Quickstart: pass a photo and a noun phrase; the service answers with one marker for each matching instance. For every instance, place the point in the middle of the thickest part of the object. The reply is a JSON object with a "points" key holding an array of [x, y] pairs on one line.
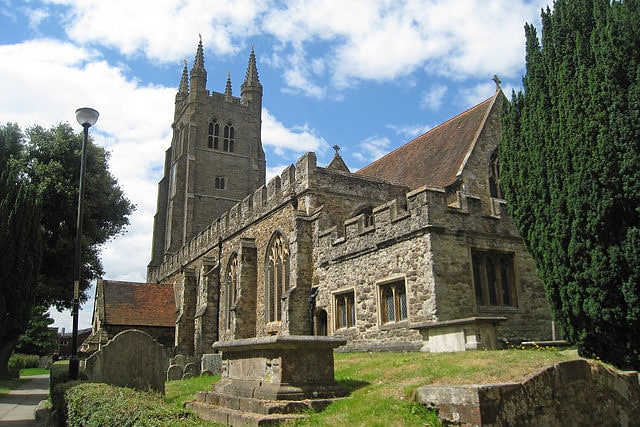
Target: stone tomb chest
{"points": [[270, 379]]}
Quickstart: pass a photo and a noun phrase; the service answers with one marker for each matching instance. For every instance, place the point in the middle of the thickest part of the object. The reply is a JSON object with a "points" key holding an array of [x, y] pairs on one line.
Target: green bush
{"points": [[93, 405], [59, 383], [16, 363], [31, 360]]}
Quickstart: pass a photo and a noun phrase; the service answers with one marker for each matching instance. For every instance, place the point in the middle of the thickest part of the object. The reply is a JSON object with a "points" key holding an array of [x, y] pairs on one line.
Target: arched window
{"points": [[210, 136], [220, 183], [216, 135], [229, 138], [393, 302], [231, 287], [494, 177], [277, 277]]}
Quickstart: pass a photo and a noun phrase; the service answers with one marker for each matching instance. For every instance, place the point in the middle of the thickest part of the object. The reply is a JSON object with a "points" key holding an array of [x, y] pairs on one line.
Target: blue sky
{"points": [[366, 75]]}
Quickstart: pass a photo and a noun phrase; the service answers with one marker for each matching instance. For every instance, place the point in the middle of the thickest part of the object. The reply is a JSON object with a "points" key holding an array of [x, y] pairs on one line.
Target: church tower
{"points": [[215, 159]]}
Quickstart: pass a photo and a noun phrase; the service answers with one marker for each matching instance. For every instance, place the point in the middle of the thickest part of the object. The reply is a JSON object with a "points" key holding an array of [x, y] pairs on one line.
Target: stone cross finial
{"points": [[496, 81], [337, 148]]}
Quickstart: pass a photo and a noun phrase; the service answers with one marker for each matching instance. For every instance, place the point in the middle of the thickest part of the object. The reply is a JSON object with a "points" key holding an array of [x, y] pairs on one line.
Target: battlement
{"points": [[421, 210], [280, 190]]}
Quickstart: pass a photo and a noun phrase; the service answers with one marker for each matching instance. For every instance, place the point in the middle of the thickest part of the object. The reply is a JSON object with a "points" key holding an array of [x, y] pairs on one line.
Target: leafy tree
{"points": [[19, 246], [52, 162], [38, 210], [38, 338], [570, 159]]}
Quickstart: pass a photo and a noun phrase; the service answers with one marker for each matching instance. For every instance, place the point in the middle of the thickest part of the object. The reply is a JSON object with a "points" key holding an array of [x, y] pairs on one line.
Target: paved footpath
{"points": [[17, 408]]}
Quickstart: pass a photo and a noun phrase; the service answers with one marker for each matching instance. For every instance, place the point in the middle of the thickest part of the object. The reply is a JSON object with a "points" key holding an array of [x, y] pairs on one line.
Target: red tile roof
{"points": [[139, 304], [436, 157]]}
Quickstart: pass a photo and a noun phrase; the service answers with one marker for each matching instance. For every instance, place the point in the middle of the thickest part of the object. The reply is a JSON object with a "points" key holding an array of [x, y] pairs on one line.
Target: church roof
{"points": [[139, 304], [436, 158]]}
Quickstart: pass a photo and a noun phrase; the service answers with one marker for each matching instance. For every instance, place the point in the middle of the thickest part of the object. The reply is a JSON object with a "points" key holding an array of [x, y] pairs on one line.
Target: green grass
{"points": [[382, 386], [178, 392], [28, 372], [7, 385]]}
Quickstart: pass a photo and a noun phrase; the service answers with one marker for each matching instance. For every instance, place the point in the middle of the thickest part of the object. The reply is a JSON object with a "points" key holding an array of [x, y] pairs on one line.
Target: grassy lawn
{"points": [[178, 392], [28, 372], [7, 385], [382, 385]]}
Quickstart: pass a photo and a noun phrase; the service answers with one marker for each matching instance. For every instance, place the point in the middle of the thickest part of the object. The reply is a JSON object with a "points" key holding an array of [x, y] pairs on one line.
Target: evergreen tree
{"points": [[19, 247], [39, 338], [570, 160], [39, 176]]}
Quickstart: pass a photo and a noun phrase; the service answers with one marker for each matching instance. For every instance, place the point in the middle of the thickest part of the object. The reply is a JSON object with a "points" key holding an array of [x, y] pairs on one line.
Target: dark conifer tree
{"points": [[20, 248], [570, 167]]}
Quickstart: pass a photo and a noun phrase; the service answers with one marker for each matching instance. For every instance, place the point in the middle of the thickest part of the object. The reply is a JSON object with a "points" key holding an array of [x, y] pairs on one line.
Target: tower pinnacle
{"points": [[227, 91], [251, 90], [198, 82], [184, 81]]}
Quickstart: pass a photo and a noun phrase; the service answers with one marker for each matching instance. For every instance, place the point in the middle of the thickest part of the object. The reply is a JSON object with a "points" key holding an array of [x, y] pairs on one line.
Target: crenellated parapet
{"points": [[424, 210], [279, 191]]}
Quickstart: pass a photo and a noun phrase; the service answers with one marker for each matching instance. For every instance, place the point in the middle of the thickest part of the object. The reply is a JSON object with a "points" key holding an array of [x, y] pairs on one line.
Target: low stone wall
{"points": [[574, 393]]}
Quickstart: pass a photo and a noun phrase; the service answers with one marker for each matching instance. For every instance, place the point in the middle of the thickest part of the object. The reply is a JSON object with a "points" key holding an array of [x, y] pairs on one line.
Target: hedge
{"points": [[98, 405]]}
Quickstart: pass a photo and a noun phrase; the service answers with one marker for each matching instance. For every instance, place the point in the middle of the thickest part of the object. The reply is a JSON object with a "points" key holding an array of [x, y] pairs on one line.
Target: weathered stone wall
{"points": [[574, 393], [185, 285], [423, 237], [428, 246], [206, 315]]}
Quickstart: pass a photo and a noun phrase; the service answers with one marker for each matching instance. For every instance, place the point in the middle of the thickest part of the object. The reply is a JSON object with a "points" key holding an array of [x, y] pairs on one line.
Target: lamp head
{"points": [[87, 116]]}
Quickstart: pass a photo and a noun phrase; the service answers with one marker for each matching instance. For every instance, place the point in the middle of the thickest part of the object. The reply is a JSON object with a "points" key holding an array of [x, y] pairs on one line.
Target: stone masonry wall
{"points": [[428, 246]]}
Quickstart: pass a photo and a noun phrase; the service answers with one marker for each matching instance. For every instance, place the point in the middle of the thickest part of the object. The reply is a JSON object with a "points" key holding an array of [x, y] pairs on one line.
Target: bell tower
{"points": [[215, 159]]}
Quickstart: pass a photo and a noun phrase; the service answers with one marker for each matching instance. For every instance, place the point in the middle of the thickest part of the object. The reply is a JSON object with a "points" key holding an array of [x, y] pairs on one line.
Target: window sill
{"points": [[394, 325], [497, 309]]}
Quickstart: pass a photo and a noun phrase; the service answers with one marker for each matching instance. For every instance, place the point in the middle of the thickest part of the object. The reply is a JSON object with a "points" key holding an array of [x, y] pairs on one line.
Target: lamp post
{"points": [[87, 117]]}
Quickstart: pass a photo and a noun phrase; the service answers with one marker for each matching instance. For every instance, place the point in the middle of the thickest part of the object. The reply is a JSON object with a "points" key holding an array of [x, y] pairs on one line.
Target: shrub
{"points": [[93, 404], [16, 363], [31, 360]]}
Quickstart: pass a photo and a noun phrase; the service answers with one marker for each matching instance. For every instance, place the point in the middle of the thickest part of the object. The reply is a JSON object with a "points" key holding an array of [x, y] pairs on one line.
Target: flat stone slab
{"points": [[280, 342]]}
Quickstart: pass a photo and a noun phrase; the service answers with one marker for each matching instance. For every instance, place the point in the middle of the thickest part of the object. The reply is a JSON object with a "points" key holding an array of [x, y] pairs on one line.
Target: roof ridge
{"points": [[483, 122], [458, 116]]}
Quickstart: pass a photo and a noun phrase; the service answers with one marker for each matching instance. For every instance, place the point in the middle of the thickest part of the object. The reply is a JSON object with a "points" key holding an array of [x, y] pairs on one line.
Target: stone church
{"points": [[414, 252]]}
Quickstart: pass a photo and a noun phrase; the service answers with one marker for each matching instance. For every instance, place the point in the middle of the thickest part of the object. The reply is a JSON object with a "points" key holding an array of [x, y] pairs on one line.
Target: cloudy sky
{"points": [[365, 75]]}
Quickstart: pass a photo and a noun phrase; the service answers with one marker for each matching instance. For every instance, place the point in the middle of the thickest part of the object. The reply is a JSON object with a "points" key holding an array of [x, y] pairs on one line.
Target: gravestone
{"points": [[174, 373], [180, 360], [211, 363], [131, 359], [191, 370]]}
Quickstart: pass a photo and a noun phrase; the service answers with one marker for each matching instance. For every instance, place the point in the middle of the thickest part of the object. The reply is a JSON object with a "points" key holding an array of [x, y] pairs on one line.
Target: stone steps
{"points": [[233, 417], [245, 411]]}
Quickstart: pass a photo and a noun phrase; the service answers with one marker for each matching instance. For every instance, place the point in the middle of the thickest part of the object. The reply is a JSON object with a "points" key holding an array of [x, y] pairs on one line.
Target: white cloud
{"points": [[321, 43], [432, 98], [298, 139], [384, 40], [162, 30], [372, 149], [409, 131], [44, 81], [470, 96]]}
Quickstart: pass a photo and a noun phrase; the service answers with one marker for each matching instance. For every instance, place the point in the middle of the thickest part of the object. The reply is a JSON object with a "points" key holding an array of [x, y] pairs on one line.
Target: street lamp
{"points": [[87, 117]]}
